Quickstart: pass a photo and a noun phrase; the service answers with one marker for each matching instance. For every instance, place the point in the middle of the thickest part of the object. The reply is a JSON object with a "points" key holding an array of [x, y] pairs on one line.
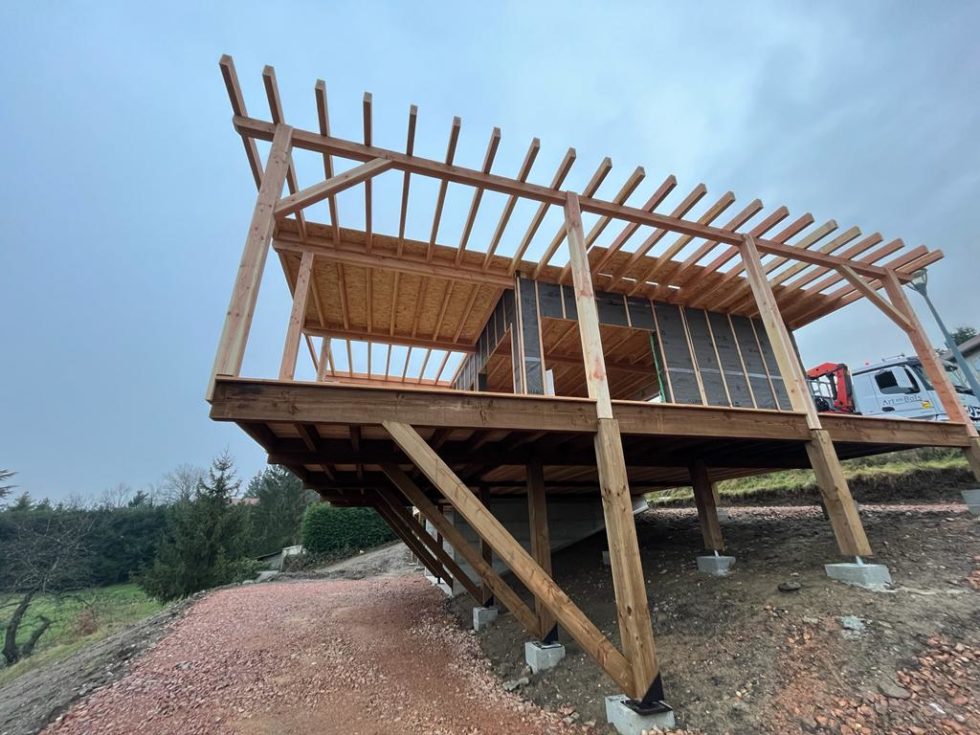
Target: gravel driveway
{"points": [[378, 655]]}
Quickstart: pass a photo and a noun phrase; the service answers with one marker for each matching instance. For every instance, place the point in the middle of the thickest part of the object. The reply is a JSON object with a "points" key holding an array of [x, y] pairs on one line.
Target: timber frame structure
{"points": [[555, 363]]}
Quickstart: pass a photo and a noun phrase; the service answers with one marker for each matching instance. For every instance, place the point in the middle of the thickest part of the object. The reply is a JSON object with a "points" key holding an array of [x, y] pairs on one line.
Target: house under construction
{"points": [[645, 348]]}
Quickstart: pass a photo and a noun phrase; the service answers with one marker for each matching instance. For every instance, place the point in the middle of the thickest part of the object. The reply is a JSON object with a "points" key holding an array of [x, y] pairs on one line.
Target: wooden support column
{"points": [[238, 321], [955, 410], [487, 553], [287, 368], [635, 624], [501, 590], [844, 518], [425, 538], [705, 497], [528, 571], [537, 515]]}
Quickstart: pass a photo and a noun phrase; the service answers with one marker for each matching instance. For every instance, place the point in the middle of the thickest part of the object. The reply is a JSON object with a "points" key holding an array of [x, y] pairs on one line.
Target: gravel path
{"points": [[337, 656]]}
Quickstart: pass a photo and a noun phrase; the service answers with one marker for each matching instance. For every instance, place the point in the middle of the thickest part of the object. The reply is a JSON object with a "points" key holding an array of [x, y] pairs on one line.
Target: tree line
{"points": [[198, 531]]}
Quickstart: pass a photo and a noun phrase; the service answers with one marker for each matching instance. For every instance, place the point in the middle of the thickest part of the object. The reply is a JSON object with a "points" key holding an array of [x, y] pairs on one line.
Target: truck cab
{"points": [[899, 388]]}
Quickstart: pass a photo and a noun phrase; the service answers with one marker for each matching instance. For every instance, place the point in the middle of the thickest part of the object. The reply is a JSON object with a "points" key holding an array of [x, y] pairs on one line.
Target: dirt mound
{"points": [[739, 656]]}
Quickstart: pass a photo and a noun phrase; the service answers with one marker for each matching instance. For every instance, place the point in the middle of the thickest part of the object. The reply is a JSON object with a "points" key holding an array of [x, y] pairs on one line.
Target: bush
{"points": [[328, 530]]}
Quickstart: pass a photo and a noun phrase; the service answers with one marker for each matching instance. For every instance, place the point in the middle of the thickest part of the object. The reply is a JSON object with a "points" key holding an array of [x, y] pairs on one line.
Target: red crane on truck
{"points": [[831, 386]]}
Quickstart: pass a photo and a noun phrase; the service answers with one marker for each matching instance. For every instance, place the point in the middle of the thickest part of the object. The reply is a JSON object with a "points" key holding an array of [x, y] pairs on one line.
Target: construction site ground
{"points": [[369, 646]]}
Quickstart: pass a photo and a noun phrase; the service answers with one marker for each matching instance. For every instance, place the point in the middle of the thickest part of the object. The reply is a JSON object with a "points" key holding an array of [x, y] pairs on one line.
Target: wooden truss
{"points": [[377, 438]]}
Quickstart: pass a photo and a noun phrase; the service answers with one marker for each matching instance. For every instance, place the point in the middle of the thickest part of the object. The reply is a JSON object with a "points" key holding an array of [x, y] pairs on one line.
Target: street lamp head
{"points": [[919, 279]]}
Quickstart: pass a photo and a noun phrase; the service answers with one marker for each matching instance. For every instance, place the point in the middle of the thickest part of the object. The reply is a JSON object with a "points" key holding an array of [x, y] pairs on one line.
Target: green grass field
{"points": [[78, 618], [896, 471]]}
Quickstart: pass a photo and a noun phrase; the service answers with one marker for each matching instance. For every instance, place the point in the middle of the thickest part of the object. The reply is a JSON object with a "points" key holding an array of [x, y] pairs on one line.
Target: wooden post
{"points": [[844, 518], [934, 369], [528, 571], [635, 624], [705, 497], [287, 369], [537, 515], [487, 553], [238, 322]]}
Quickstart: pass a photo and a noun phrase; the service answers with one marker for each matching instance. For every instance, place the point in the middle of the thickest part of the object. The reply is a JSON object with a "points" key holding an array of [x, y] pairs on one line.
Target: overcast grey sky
{"points": [[126, 195]]}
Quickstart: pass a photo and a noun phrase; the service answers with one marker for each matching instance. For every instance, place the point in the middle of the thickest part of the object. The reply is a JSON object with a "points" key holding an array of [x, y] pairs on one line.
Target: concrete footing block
{"points": [[869, 576], [972, 500], [717, 566], [630, 722], [483, 616], [543, 656]]}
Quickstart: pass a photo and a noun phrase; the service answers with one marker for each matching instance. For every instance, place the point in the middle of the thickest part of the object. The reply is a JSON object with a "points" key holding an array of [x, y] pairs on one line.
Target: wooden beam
{"points": [[447, 172], [501, 590], [841, 508], [297, 317], [523, 566], [872, 295], [412, 542], [635, 625], [794, 380], [350, 254], [705, 498], [588, 316], [486, 594], [414, 527], [238, 321], [332, 186], [843, 512], [955, 410], [537, 515]]}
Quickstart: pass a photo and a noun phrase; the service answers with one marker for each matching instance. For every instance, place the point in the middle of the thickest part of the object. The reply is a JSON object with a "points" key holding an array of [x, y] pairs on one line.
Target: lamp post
{"points": [[918, 283]]}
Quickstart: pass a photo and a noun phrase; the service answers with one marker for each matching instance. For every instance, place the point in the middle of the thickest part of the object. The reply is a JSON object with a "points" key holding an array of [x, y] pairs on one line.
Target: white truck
{"points": [[896, 388]]}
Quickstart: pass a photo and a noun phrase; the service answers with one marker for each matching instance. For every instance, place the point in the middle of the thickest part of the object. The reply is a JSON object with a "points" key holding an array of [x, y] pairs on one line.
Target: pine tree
{"points": [[278, 512], [206, 541]]}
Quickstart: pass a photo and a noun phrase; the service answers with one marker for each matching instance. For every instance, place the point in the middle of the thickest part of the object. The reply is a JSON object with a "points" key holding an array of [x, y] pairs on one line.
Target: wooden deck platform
{"points": [[332, 436]]}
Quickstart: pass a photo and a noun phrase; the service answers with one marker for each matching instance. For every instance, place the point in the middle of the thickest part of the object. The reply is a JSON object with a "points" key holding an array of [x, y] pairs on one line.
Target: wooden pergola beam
{"points": [[448, 172], [330, 187]]}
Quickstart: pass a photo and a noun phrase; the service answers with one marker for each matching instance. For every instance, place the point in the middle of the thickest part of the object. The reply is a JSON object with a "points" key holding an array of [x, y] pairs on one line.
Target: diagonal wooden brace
{"points": [[501, 590], [413, 527], [538, 582]]}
